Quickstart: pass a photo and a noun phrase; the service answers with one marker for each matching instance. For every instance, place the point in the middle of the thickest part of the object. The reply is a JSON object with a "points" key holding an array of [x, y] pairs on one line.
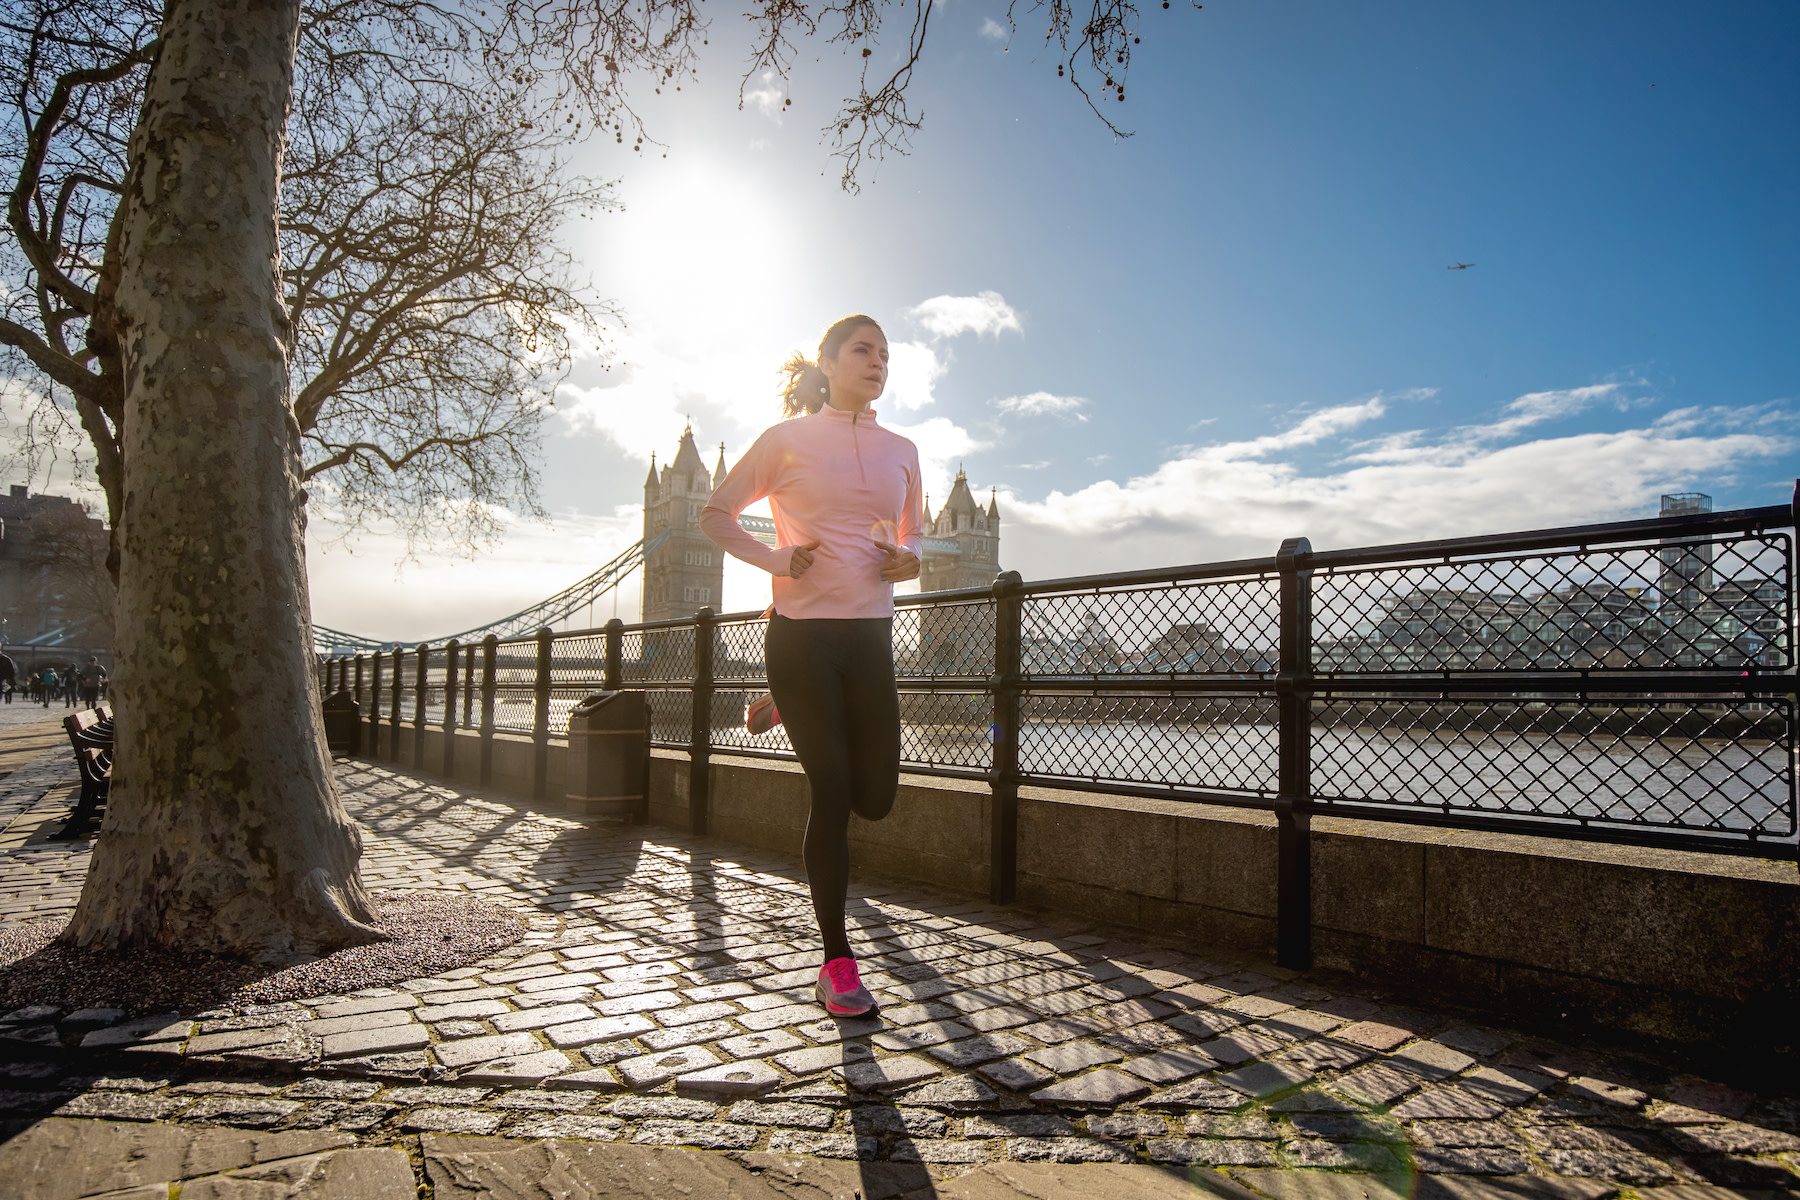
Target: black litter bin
{"points": [[343, 724], [609, 755]]}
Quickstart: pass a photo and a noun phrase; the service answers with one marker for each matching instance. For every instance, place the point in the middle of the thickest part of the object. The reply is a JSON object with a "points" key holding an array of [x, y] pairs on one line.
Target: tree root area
{"points": [[428, 933]]}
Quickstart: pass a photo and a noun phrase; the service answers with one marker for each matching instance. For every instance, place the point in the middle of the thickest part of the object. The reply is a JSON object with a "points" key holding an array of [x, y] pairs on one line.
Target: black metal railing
{"points": [[1629, 682]]}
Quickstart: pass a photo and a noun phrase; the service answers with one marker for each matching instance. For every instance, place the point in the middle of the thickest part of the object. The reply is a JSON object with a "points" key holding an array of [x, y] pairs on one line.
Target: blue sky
{"points": [[1236, 325]]}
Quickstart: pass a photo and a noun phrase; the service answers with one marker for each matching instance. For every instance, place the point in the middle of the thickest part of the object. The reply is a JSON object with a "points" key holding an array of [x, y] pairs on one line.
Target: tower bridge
{"points": [[684, 570]]}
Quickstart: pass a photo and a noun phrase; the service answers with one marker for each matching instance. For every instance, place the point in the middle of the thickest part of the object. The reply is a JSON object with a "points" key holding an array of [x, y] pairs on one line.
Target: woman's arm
{"points": [[904, 555], [746, 483], [909, 533]]}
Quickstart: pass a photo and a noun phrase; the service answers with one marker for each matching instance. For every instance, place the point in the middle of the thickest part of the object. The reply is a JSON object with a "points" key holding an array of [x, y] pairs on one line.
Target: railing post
{"points": [[1293, 800], [540, 718], [1003, 732], [356, 689], [700, 735], [489, 669], [452, 650], [394, 715], [615, 654], [375, 705], [422, 675]]}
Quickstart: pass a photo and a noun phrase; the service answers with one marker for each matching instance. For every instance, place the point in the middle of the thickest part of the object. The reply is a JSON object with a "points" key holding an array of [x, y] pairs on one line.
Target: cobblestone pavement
{"points": [[662, 998]]}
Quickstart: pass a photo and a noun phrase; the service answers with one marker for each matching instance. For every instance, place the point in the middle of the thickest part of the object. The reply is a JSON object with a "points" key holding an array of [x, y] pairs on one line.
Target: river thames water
{"points": [[1683, 782]]}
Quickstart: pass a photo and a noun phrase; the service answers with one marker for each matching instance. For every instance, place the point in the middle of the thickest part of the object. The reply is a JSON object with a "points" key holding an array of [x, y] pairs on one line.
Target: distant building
{"points": [[1687, 566], [683, 570], [962, 543], [55, 594], [1692, 616]]}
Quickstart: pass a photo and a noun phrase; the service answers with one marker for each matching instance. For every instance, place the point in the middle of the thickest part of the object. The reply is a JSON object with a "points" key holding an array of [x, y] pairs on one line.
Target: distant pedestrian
{"points": [[91, 678], [69, 686], [9, 674], [46, 684], [846, 496]]}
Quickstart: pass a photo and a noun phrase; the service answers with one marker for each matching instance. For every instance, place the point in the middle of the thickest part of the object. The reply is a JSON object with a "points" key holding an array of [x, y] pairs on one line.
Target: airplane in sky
{"points": [[1461, 266]]}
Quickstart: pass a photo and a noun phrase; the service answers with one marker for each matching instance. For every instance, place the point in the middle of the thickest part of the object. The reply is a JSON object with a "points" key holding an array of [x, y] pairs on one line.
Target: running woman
{"points": [[846, 497]]}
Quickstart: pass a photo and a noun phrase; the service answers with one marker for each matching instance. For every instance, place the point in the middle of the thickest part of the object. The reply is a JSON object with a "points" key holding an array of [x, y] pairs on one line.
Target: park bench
{"points": [[91, 736]]}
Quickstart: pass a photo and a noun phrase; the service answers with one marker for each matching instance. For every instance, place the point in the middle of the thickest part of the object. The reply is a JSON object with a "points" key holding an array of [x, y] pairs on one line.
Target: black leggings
{"points": [[833, 683]]}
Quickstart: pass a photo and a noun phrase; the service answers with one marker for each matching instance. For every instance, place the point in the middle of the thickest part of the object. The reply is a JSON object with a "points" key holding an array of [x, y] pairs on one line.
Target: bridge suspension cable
{"points": [[571, 600]]}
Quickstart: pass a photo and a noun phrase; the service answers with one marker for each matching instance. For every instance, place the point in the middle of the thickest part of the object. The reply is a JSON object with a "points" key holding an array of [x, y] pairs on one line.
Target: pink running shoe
{"points": [[761, 716], [841, 991]]}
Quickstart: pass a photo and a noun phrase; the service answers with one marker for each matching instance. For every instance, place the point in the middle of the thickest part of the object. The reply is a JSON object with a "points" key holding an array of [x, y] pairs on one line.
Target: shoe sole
{"points": [[838, 1011], [761, 717]]}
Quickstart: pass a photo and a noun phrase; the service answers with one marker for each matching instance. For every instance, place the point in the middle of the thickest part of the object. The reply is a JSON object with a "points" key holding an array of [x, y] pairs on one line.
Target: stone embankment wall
{"points": [[1693, 948]]}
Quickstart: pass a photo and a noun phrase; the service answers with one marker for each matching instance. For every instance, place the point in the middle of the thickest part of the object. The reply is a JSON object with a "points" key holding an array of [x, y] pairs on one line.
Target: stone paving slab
{"points": [[661, 1006]]}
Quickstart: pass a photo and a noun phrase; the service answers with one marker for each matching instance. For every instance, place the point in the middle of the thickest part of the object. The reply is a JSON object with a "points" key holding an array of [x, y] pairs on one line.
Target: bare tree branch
{"points": [[432, 307]]}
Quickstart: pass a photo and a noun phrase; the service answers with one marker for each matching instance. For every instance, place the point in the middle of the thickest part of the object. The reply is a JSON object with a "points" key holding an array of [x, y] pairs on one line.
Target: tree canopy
{"points": [[433, 308]]}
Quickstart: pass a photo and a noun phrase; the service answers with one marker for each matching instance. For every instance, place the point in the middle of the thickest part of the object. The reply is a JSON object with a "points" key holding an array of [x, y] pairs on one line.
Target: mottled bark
{"points": [[224, 831]]}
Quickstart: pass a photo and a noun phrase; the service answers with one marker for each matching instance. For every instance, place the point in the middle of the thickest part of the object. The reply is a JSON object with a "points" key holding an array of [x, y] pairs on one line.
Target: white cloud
{"points": [[985, 312], [1315, 428], [993, 30], [1242, 498], [1043, 403], [1534, 408], [766, 97], [636, 415], [913, 371]]}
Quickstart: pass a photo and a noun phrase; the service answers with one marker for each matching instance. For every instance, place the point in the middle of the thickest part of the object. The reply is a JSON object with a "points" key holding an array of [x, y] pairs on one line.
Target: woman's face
{"points": [[859, 372]]}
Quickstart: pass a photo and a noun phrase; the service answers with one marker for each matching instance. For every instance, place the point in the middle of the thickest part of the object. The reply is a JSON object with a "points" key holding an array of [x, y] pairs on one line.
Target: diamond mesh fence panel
{"points": [[728, 731], [515, 686], [434, 687], [1693, 603], [1216, 743], [671, 716], [946, 730], [471, 687], [1212, 627], [401, 673], [652, 656], [577, 671], [562, 700], [738, 652], [1675, 764], [578, 662], [944, 641]]}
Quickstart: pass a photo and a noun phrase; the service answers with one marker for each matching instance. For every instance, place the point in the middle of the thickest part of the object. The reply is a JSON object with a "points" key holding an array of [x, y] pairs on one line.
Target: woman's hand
{"points": [[901, 565], [801, 559]]}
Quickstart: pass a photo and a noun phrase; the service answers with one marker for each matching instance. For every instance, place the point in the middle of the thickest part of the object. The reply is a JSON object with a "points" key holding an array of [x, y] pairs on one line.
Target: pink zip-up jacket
{"points": [[836, 478]]}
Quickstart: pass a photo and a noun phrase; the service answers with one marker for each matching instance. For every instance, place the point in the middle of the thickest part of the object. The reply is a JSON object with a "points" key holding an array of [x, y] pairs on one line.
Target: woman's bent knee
{"points": [[873, 807]]}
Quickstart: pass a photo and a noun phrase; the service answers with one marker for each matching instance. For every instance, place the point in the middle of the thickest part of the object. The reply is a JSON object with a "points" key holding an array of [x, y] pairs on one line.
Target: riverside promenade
{"points": [[653, 1035]]}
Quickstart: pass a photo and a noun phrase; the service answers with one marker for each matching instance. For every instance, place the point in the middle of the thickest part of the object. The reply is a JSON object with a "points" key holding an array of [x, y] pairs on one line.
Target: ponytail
{"points": [[805, 388]]}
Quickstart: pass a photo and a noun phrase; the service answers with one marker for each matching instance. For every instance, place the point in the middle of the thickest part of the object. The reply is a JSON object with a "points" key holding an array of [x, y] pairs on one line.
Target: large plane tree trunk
{"points": [[224, 831]]}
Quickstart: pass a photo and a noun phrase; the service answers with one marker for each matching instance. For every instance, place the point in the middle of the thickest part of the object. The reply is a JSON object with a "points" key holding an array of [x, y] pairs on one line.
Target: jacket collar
{"points": [[865, 417]]}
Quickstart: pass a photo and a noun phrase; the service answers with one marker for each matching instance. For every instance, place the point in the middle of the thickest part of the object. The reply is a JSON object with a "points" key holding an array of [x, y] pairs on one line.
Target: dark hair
{"points": [[804, 387]]}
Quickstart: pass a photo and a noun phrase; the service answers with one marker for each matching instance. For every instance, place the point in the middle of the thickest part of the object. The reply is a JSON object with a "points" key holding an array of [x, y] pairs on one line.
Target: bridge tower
{"points": [[962, 543], [686, 571]]}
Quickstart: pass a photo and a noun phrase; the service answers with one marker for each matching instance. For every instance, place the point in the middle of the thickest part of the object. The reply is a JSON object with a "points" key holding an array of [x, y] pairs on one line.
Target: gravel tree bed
{"points": [[428, 932]]}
